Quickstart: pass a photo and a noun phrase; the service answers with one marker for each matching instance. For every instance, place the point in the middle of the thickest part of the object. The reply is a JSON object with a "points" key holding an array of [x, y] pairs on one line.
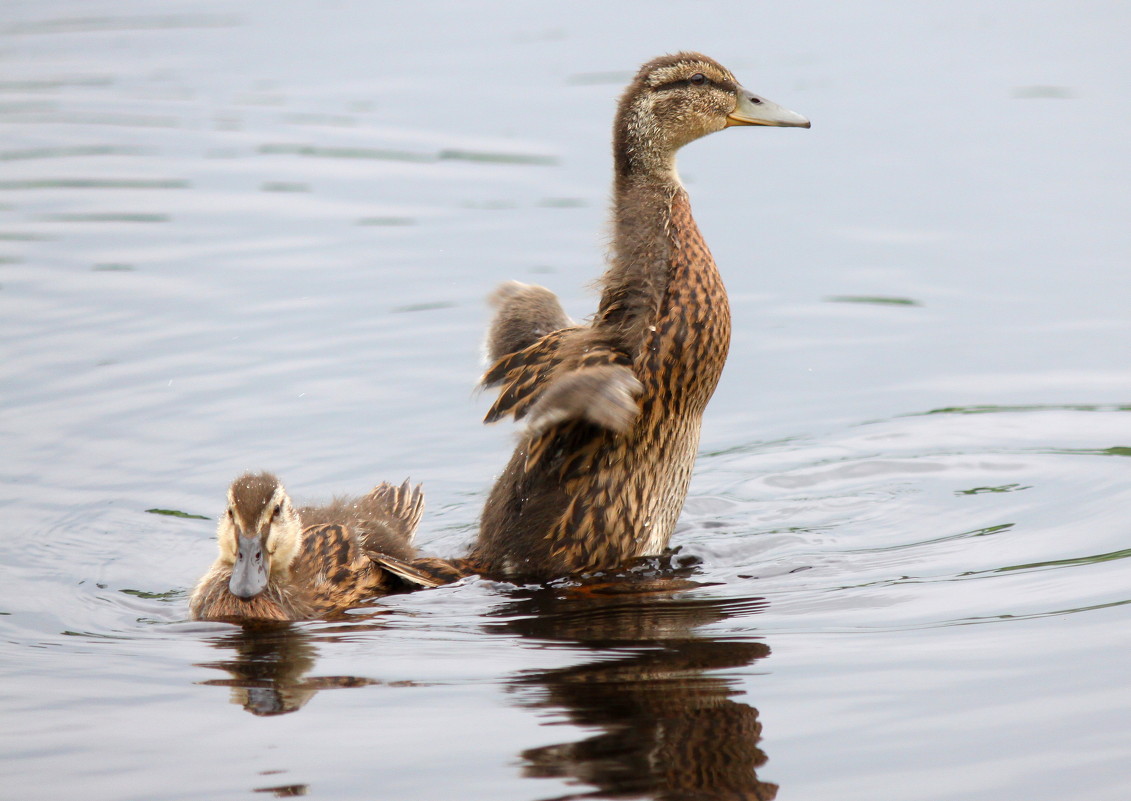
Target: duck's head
{"points": [[259, 534], [679, 98]]}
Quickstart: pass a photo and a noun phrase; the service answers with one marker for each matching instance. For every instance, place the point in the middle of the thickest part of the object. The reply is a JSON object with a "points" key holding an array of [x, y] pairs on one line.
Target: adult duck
{"points": [[613, 408]]}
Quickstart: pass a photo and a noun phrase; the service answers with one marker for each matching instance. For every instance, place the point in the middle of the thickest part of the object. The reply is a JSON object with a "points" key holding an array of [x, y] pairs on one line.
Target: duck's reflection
{"points": [[657, 693], [268, 669]]}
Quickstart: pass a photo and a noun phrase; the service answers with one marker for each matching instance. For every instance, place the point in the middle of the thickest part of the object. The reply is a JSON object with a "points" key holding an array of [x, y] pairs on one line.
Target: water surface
{"points": [[259, 236]]}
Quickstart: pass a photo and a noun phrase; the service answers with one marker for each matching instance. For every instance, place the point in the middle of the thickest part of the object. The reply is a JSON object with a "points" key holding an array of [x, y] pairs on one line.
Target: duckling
{"points": [[613, 408], [278, 562]]}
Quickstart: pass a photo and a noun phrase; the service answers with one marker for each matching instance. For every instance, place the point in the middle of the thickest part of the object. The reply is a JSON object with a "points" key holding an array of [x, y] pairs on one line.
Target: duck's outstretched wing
{"points": [[522, 376], [524, 313], [564, 376]]}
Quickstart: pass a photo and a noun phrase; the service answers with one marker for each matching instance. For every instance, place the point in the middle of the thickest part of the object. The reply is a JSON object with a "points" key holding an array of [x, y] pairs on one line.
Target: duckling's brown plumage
{"points": [[613, 408], [277, 562]]}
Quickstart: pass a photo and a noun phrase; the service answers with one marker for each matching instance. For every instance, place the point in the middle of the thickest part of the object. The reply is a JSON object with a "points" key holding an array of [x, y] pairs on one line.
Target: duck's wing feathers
{"points": [[521, 376], [524, 313], [566, 375]]}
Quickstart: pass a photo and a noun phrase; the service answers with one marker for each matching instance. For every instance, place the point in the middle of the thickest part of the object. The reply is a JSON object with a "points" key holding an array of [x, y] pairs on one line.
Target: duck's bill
{"points": [[249, 574], [755, 110]]}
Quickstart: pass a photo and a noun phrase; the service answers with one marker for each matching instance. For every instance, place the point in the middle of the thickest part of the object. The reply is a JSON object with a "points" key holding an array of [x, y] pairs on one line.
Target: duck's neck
{"points": [[643, 149], [642, 244]]}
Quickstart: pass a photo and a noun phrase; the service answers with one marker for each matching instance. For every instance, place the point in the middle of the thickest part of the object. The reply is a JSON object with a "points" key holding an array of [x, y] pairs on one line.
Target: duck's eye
{"points": [[278, 509], [698, 79]]}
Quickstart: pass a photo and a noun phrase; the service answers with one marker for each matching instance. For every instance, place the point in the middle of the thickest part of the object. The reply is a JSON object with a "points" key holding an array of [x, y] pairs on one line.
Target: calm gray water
{"points": [[258, 235]]}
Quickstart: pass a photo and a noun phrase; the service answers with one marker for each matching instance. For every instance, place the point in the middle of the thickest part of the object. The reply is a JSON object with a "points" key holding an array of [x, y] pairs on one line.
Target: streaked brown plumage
{"points": [[656, 711], [613, 408], [316, 561]]}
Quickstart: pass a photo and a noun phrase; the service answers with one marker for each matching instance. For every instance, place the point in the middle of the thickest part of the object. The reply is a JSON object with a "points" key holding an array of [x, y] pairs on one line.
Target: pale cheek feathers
{"points": [[226, 540], [283, 542]]}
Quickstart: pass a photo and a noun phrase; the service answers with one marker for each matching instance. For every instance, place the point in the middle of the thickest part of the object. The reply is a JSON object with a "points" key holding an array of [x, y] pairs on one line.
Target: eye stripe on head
{"points": [[676, 76], [683, 83]]}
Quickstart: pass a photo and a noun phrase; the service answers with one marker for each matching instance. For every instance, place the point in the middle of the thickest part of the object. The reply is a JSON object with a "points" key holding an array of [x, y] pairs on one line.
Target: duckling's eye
{"points": [[698, 79], [278, 509]]}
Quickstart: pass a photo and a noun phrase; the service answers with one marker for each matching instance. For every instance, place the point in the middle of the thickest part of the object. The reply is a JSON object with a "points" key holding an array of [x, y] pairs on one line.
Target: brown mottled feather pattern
{"points": [[614, 407], [334, 570], [579, 497], [384, 520], [427, 571], [523, 375], [337, 565]]}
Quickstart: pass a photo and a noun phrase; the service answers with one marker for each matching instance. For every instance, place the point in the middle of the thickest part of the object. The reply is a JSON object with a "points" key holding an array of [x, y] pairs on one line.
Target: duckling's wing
{"points": [[337, 571], [423, 572], [524, 313], [331, 570]]}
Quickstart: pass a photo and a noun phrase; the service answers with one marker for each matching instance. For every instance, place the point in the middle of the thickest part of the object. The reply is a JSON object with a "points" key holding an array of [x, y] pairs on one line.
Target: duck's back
{"points": [[335, 568], [383, 521]]}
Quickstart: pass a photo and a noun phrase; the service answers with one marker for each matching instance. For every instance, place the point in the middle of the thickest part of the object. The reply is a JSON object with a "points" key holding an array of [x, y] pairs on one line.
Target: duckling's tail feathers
{"points": [[425, 571], [403, 505]]}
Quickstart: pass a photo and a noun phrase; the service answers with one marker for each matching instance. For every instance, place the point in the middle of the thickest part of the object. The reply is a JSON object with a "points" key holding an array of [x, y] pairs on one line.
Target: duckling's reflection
{"points": [[269, 669], [669, 727]]}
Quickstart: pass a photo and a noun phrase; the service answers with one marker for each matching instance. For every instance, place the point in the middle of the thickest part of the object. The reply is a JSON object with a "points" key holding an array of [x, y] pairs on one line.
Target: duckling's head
{"points": [[677, 99], [259, 534]]}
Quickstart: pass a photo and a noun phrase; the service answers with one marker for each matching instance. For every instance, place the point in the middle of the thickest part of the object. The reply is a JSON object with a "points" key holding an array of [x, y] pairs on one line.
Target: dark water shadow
{"points": [[268, 669], [657, 693]]}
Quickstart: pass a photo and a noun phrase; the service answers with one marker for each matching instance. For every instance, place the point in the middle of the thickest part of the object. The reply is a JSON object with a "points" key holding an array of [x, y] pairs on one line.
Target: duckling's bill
{"points": [[249, 574], [755, 110]]}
